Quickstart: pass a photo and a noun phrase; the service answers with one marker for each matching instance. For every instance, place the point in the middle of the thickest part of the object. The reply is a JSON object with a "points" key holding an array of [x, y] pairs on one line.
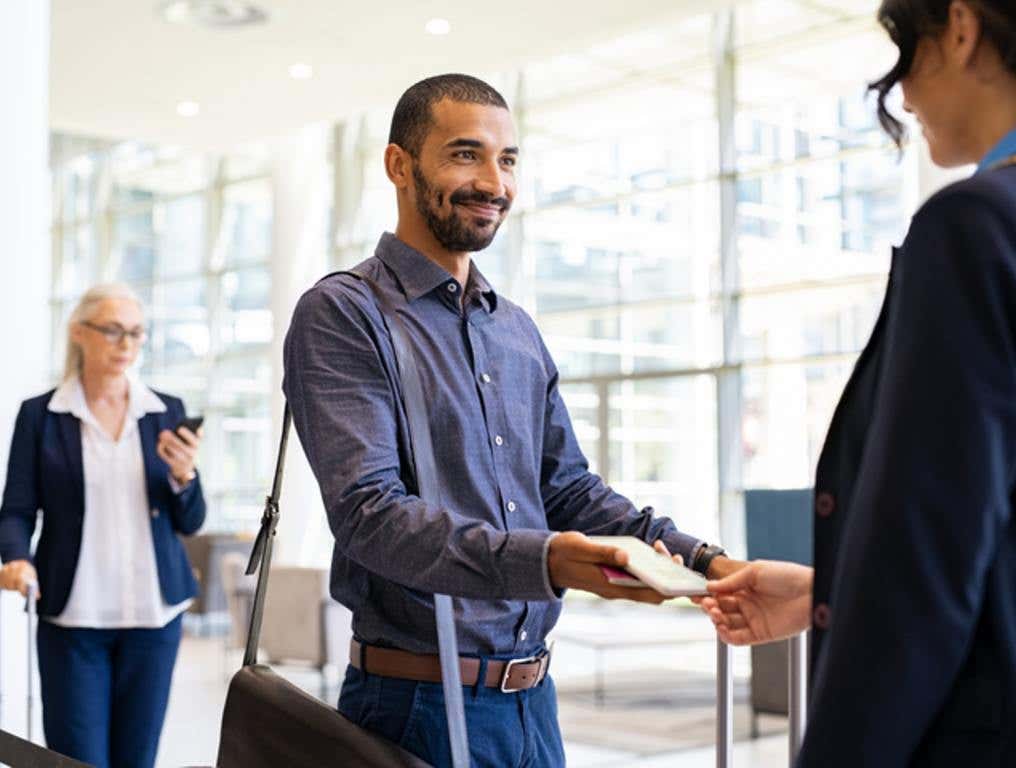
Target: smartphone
{"points": [[193, 423], [654, 569]]}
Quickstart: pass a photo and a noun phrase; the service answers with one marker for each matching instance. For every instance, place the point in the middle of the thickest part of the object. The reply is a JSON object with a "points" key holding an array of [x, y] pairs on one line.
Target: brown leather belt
{"points": [[509, 676]]}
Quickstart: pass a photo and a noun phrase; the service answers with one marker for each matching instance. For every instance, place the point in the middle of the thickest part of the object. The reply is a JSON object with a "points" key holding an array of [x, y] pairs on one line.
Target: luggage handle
{"points": [[796, 699], [31, 596]]}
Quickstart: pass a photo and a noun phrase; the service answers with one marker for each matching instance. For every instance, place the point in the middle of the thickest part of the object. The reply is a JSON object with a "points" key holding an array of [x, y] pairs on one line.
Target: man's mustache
{"points": [[465, 197]]}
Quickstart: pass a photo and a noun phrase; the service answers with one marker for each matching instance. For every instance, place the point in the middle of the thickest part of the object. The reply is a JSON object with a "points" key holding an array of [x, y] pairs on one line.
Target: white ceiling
{"points": [[118, 69]]}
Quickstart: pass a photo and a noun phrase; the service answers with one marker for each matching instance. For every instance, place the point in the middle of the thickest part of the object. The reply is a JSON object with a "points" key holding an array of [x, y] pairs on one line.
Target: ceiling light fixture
{"points": [[301, 71], [438, 27], [218, 14], [188, 109]]}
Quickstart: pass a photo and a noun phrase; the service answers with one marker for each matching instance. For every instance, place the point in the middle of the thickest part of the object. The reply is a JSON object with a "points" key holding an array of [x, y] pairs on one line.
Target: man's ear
{"points": [[398, 166]]}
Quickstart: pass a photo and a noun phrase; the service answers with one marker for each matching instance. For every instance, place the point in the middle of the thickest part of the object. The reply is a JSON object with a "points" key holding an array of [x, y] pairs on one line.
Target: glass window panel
{"points": [[634, 339], [188, 382], [243, 383], [80, 188], [828, 219], [785, 417], [583, 403], [181, 224], [147, 175], [79, 266], [648, 246], [246, 233], [180, 332], [134, 246], [246, 317], [827, 320], [663, 448]]}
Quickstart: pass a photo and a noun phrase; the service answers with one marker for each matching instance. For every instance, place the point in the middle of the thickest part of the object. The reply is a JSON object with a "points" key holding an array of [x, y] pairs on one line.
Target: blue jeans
{"points": [[104, 691], [505, 729]]}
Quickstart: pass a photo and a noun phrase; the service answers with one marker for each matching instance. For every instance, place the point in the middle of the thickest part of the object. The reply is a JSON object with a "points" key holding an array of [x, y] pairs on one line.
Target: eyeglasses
{"points": [[116, 333]]}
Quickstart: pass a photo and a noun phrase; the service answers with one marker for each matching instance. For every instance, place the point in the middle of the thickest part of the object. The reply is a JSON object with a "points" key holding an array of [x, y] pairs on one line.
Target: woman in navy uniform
{"points": [[912, 601]]}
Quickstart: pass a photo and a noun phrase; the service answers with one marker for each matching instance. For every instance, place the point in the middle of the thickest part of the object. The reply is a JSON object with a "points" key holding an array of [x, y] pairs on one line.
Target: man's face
{"points": [[464, 178]]}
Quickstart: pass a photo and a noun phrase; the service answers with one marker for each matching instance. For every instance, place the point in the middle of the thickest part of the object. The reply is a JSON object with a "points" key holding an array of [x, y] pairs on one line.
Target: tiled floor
{"points": [[658, 709]]}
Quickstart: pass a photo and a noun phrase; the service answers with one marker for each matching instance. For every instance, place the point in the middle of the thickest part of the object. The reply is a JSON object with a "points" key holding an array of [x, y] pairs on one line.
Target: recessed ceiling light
{"points": [[188, 108], [438, 27], [212, 13], [301, 71]]}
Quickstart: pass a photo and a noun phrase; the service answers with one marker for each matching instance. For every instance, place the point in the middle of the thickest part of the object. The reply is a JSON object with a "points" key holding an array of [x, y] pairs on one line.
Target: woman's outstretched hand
{"points": [[764, 601]]}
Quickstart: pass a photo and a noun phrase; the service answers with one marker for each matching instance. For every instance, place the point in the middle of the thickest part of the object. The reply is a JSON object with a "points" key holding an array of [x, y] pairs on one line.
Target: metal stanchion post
{"points": [[797, 698], [724, 706]]}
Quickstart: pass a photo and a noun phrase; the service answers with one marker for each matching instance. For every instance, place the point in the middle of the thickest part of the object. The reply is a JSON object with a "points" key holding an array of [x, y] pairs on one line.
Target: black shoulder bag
{"points": [[268, 722]]}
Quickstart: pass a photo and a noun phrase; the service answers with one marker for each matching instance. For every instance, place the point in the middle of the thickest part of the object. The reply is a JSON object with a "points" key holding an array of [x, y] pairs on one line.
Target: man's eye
{"points": [[510, 161], [465, 154]]}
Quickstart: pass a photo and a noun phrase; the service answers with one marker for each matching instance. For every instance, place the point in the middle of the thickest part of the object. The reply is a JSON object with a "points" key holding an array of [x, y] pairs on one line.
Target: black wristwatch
{"points": [[704, 555]]}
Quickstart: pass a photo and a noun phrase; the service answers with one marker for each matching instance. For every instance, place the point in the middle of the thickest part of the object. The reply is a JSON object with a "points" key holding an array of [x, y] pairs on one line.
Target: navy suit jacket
{"points": [[45, 472], [914, 641]]}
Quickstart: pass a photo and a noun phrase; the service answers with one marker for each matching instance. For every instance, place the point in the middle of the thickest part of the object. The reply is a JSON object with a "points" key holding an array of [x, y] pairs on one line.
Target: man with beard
{"points": [[517, 494]]}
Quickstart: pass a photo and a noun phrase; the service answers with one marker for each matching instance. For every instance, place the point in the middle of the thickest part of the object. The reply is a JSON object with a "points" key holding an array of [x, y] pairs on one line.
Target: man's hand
{"points": [[574, 563], [760, 602], [17, 575]]}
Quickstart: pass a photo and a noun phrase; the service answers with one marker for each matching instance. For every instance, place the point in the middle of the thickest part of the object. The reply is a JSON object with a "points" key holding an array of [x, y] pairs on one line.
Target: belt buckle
{"points": [[543, 659]]}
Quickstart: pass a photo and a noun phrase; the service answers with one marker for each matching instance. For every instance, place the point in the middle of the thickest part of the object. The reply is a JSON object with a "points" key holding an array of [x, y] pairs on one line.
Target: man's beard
{"points": [[454, 232]]}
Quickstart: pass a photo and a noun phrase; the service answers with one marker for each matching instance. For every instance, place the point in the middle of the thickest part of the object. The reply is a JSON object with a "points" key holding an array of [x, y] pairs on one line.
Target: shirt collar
{"points": [[1005, 149], [418, 275], [70, 398]]}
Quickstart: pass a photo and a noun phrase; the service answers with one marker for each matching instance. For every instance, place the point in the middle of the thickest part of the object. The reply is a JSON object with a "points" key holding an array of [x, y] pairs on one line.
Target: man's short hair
{"points": [[413, 116]]}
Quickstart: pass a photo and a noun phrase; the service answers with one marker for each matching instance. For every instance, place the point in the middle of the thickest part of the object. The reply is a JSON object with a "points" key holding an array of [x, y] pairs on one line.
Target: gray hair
{"points": [[84, 311]]}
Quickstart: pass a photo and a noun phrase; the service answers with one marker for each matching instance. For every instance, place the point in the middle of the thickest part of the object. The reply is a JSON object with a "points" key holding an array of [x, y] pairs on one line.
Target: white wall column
{"points": [[25, 258], [299, 258]]}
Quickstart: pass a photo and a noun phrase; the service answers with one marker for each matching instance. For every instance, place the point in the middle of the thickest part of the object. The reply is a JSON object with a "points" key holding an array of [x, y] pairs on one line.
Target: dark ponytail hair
{"points": [[907, 21]]}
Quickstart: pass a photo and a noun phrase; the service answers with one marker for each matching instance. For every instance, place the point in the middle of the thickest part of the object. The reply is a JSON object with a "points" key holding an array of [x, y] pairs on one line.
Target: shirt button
{"points": [[498, 440], [822, 616], [825, 504], [452, 287], [511, 506], [155, 513], [486, 378], [523, 635]]}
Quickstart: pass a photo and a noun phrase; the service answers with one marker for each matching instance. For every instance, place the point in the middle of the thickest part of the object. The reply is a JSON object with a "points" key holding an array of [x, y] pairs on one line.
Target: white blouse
{"points": [[116, 584]]}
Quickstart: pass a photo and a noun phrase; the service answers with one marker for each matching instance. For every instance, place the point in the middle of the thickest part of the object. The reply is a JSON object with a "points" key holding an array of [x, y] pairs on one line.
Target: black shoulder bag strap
{"points": [[426, 478]]}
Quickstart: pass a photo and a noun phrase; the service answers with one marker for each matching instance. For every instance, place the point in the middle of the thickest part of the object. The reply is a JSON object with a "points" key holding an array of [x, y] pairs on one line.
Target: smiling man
{"points": [[517, 495]]}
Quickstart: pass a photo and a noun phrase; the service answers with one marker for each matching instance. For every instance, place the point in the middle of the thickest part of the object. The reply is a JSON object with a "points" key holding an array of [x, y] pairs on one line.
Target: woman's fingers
{"points": [[737, 581]]}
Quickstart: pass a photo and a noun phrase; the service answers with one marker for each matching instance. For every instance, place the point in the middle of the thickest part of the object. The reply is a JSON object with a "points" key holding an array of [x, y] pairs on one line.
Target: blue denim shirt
{"points": [[512, 472]]}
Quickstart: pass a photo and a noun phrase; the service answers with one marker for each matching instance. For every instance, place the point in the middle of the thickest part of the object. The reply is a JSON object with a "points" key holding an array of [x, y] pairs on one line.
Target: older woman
{"points": [[116, 484], [912, 600]]}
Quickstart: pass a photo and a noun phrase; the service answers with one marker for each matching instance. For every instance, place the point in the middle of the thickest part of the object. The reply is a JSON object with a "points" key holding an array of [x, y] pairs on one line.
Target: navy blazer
{"points": [[914, 639], [45, 472]]}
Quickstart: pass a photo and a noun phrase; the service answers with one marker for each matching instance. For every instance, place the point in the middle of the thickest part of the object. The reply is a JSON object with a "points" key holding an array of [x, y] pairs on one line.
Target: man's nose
{"points": [[490, 180]]}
